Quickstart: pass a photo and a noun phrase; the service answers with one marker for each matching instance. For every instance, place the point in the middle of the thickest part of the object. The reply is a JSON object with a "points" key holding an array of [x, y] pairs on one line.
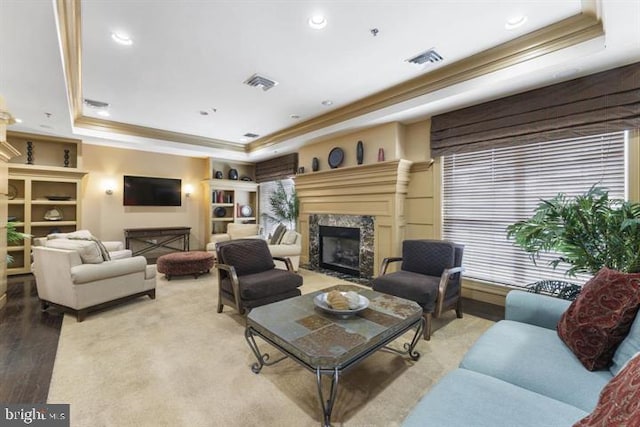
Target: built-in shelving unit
{"points": [[44, 186], [225, 200]]}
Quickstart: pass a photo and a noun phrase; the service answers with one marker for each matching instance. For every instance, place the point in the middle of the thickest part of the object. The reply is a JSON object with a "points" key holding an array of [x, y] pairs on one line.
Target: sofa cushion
{"points": [[416, 287], [242, 231], [535, 358], [101, 247], [600, 317], [627, 348], [78, 234], [455, 402], [277, 234], [619, 402], [88, 250], [289, 237]]}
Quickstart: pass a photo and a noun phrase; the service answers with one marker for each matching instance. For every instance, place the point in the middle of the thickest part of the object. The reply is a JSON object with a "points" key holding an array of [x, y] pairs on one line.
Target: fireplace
{"points": [[340, 249], [342, 243]]}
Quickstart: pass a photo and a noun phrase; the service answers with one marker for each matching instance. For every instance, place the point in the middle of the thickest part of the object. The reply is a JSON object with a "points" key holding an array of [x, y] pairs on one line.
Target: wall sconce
{"points": [[188, 190], [108, 185]]}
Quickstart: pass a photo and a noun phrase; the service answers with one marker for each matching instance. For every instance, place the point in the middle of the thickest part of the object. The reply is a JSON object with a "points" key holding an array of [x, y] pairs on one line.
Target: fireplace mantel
{"points": [[377, 189]]}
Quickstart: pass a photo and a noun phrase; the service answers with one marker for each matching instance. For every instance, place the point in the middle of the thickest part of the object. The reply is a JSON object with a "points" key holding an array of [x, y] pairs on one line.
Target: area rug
{"points": [[176, 362]]}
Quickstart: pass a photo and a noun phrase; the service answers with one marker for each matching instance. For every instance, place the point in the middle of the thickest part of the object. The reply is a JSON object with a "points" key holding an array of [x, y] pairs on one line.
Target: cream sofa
{"points": [[72, 275], [290, 247]]}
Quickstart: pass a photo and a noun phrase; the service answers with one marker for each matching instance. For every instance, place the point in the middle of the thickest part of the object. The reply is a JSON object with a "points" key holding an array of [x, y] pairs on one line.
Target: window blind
{"points": [[485, 191]]}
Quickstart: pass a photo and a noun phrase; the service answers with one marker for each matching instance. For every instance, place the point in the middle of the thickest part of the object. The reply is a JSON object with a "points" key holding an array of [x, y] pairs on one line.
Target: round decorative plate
{"points": [[336, 156], [320, 301], [246, 211], [219, 212], [58, 198]]}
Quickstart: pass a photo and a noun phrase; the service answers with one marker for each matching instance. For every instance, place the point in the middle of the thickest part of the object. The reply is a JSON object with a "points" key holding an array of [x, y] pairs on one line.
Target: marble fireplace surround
{"points": [[363, 222], [348, 196]]}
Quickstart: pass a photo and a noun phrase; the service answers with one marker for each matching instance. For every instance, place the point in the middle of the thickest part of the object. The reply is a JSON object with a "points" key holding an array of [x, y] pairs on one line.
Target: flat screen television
{"points": [[150, 191]]}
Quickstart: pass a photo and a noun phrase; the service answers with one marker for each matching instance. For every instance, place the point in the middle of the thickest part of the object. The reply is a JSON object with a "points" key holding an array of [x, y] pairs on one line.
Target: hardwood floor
{"points": [[29, 340], [28, 343]]}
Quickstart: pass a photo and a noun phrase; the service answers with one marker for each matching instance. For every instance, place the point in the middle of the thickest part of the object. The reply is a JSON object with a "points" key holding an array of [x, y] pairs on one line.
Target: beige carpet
{"points": [[176, 362]]}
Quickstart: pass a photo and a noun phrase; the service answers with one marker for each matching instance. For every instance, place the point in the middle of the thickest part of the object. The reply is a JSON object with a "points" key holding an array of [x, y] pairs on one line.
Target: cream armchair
{"points": [[65, 281]]}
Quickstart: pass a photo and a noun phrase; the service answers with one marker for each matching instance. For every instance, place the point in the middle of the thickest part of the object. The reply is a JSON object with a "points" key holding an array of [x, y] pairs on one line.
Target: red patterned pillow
{"points": [[600, 318], [619, 403]]}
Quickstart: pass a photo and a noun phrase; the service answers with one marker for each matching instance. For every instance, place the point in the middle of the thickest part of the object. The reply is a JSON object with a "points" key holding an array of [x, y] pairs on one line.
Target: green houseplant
{"points": [[284, 205], [587, 232], [14, 236]]}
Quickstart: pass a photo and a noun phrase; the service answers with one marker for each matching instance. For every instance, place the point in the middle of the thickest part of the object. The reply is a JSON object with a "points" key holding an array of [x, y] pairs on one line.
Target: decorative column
{"points": [[6, 153]]}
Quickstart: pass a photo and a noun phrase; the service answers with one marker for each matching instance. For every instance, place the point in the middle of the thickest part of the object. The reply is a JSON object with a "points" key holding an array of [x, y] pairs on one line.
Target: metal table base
{"points": [[263, 359]]}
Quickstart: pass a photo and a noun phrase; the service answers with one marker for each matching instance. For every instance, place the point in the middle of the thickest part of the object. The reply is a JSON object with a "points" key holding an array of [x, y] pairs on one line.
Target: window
{"points": [[266, 190], [485, 191]]}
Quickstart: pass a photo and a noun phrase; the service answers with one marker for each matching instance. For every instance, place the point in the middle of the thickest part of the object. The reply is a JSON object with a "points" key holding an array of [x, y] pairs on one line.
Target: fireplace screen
{"points": [[340, 249]]}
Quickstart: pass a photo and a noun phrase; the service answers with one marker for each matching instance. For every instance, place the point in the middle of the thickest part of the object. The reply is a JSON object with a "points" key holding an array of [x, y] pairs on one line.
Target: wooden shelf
{"points": [[221, 219], [15, 248], [222, 205], [52, 223], [54, 202]]}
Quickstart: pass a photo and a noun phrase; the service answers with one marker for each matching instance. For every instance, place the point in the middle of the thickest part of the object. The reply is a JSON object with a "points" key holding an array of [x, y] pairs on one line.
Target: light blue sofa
{"points": [[519, 373]]}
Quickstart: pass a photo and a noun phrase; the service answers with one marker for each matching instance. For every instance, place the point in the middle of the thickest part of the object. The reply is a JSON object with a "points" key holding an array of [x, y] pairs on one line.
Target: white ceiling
{"points": [[189, 56]]}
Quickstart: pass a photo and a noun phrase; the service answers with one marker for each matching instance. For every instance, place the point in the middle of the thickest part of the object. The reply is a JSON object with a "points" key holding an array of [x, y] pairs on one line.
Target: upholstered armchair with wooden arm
{"points": [[248, 277], [430, 275]]}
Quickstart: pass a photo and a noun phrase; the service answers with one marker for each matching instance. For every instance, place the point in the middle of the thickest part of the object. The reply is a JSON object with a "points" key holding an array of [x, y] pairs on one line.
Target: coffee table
{"points": [[328, 344]]}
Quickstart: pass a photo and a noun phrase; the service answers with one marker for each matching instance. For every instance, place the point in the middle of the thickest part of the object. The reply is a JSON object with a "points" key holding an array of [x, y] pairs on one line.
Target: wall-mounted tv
{"points": [[150, 191]]}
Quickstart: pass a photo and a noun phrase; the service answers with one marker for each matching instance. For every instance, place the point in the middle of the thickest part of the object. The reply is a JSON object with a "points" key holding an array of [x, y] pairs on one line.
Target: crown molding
{"points": [[552, 38], [128, 129]]}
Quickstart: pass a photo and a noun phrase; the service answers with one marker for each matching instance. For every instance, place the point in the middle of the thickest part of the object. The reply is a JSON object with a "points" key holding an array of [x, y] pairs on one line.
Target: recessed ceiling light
{"points": [[121, 38], [103, 113], [515, 22], [317, 22], [327, 102], [18, 120], [294, 116]]}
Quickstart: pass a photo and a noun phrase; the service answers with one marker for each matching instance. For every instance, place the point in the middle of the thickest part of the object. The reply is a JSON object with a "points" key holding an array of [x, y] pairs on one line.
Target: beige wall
{"points": [[106, 217]]}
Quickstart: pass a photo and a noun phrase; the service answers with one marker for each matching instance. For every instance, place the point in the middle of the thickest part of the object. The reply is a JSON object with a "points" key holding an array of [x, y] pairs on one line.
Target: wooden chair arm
{"points": [[286, 260], [444, 283], [386, 262], [235, 283]]}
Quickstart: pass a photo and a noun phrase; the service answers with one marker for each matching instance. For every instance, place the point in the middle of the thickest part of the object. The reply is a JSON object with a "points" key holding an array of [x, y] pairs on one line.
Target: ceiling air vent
{"points": [[250, 135], [95, 104], [428, 56], [260, 81]]}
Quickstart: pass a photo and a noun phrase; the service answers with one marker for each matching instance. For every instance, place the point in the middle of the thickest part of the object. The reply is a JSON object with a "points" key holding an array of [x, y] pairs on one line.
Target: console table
{"points": [[157, 237]]}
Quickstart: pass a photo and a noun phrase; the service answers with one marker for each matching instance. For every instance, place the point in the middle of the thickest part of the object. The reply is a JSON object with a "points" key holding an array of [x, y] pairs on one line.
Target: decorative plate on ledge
{"points": [[336, 156], [58, 198], [219, 212]]}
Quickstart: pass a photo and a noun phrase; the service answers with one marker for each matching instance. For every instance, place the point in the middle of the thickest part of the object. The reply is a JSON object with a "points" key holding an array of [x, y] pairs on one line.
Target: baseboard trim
{"points": [[485, 292]]}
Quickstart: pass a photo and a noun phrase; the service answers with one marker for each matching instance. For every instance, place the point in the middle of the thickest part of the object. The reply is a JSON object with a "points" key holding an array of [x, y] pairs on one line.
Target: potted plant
{"points": [[587, 232], [14, 236], [284, 205]]}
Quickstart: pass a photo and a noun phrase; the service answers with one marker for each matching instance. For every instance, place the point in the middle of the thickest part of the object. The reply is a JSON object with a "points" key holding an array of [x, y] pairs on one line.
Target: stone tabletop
{"points": [[321, 339]]}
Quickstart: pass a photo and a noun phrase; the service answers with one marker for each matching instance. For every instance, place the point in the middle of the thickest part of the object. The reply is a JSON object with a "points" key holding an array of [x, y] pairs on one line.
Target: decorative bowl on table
{"points": [[359, 303]]}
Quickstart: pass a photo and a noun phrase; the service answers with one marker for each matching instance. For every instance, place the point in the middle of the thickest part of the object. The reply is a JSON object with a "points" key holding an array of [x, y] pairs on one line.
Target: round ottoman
{"points": [[183, 263]]}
